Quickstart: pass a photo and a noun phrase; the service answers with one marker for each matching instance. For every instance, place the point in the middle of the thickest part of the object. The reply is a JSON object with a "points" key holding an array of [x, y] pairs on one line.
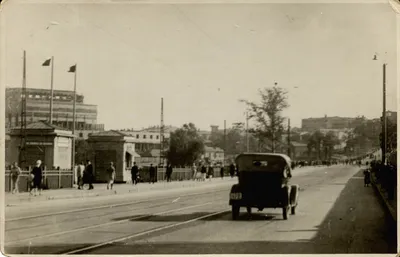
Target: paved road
{"points": [[336, 215]]}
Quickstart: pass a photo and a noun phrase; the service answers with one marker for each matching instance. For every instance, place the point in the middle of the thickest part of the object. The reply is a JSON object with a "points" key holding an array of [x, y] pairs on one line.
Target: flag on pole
{"points": [[47, 62], [72, 68]]}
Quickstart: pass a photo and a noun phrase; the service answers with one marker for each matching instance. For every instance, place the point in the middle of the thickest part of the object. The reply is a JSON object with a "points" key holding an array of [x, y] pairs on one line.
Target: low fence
{"points": [[178, 174], [52, 179], [386, 176]]}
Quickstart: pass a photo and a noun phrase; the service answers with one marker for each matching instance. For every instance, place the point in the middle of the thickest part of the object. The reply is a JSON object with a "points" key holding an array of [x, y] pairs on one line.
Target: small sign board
{"points": [[39, 143]]}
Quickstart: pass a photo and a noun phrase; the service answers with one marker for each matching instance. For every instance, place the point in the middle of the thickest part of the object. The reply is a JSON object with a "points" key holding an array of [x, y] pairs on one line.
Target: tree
{"points": [[267, 115], [364, 137], [391, 142], [315, 143], [329, 141], [185, 146]]}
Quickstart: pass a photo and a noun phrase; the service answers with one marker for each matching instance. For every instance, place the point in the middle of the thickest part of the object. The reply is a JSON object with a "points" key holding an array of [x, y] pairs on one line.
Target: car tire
{"points": [[293, 210], [285, 213], [294, 195], [235, 212]]}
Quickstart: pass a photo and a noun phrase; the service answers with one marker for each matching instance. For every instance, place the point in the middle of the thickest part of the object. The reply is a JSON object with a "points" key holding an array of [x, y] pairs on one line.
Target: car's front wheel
{"points": [[235, 211]]}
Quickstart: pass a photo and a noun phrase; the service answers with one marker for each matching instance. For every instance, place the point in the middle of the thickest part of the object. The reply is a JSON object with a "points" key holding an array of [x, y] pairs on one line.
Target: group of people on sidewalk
{"points": [[35, 180], [135, 174], [207, 171], [85, 175]]}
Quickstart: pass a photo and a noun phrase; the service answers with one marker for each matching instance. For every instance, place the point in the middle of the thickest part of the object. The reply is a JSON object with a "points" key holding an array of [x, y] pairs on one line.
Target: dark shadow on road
{"points": [[43, 249], [188, 216], [357, 223]]}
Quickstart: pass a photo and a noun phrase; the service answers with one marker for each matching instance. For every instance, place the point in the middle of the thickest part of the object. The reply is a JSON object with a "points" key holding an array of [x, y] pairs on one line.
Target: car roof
{"points": [[284, 156]]}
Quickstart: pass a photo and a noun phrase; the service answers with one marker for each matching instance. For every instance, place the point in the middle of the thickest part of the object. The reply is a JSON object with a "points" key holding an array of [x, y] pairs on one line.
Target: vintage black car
{"points": [[264, 183]]}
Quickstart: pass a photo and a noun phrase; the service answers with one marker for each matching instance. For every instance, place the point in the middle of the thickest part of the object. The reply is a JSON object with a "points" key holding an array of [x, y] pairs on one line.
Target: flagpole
{"points": [[52, 90], [73, 119]]}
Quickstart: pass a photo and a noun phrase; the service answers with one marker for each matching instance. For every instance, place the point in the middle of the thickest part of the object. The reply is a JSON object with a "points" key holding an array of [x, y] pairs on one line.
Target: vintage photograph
{"points": [[199, 127]]}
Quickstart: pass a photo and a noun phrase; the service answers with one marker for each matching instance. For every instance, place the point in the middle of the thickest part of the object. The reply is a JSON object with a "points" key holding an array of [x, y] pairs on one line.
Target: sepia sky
{"points": [[203, 58]]}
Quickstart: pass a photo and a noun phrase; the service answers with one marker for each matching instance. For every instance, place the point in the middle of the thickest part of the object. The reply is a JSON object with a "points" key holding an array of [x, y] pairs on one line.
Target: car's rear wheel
{"points": [[285, 213], [293, 210], [235, 211]]}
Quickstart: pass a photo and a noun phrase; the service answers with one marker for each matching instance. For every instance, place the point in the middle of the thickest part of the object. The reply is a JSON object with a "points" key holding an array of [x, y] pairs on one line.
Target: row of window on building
{"points": [[145, 136], [57, 97]]}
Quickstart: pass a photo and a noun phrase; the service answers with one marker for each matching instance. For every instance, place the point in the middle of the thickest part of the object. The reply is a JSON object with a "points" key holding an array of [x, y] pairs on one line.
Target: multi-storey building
{"points": [[38, 109], [312, 124], [391, 116], [149, 139], [214, 155]]}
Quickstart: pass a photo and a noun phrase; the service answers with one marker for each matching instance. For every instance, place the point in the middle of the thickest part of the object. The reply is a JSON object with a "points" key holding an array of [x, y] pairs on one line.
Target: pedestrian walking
{"points": [[37, 175], [152, 172], [194, 171], [134, 173], [367, 177], [221, 172], [15, 172], [210, 172], [203, 172], [232, 170], [110, 176], [169, 172], [81, 172], [89, 174]]}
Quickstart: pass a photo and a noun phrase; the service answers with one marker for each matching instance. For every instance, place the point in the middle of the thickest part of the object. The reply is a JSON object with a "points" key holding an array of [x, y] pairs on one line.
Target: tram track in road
{"points": [[176, 202], [110, 206], [85, 250], [106, 224]]}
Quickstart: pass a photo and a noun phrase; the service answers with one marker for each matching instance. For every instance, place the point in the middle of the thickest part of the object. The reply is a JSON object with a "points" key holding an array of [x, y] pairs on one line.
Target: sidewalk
{"points": [[123, 189], [119, 189]]}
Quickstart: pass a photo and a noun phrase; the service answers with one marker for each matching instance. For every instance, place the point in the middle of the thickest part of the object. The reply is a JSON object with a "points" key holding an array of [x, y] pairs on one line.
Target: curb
{"points": [[391, 210]]}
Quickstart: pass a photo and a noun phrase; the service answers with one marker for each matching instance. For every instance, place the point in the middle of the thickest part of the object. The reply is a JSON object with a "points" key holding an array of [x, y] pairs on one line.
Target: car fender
{"points": [[235, 189]]}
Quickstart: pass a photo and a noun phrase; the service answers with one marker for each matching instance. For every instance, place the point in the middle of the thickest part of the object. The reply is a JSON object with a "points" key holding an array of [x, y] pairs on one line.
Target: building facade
{"points": [[48, 143], [38, 109], [214, 155], [149, 139], [313, 124]]}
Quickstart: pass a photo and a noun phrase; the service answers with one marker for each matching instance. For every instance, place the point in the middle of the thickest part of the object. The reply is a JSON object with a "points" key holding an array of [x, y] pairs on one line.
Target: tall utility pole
{"points": [[52, 90], [22, 146], [247, 131], [384, 129], [289, 146], [162, 130], [73, 69], [50, 62]]}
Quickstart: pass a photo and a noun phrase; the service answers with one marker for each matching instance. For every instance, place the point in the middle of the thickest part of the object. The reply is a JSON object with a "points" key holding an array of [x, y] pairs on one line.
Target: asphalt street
{"points": [[336, 214]]}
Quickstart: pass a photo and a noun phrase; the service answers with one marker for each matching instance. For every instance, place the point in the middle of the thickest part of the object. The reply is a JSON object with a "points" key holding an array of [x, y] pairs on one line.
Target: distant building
{"points": [[214, 155], [392, 116], [38, 109], [313, 124], [149, 138]]}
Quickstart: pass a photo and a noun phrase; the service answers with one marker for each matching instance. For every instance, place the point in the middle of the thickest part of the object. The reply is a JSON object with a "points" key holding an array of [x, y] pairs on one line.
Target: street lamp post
{"points": [[289, 143], [384, 116], [384, 121], [247, 131]]}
